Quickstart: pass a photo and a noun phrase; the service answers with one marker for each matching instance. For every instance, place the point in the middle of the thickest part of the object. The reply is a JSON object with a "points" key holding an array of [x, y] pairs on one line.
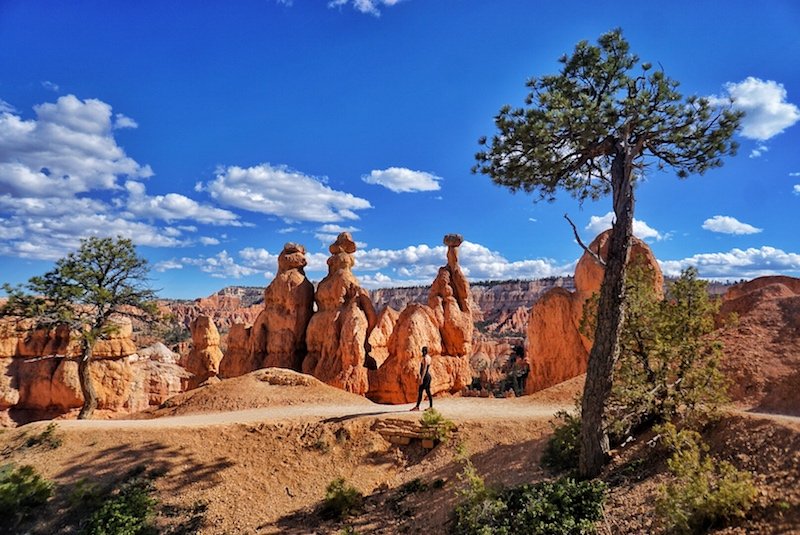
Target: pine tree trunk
{"points": [[610, 315], [87, 386]]}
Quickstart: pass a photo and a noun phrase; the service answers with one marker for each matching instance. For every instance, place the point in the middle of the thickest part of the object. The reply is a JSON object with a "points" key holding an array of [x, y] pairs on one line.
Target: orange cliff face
{"points": [[555, 349]]}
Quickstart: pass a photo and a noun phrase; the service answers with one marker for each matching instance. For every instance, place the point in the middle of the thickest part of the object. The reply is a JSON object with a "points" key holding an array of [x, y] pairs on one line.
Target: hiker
{"points": [[424, 379]]}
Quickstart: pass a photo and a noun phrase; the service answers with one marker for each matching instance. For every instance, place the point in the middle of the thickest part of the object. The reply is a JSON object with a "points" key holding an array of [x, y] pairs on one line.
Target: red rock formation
{"points": [[761, 347], [379, 337], [444, 326], [337, 334], [205, 356], [278, 336], [555, 349]]}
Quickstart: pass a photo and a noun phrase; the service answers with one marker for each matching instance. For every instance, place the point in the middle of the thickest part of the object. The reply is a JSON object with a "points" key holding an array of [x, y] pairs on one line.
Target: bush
{"points": [[49, 438], [669, 363], [705, 491], [341, 500], [435, 426], [561, 507], [563, 448], [22, 490], [129, 511]]}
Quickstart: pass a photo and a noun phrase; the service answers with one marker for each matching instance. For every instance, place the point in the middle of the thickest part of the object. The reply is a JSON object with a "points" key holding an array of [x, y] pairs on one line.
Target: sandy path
{"points": [[458, 409]]}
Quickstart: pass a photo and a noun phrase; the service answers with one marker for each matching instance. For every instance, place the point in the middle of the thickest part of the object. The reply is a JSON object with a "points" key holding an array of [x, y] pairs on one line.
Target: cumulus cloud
{"points": [[729, 225], [122, 121], [220, 266], [417, 264], [402, 180], [173, 206], [283, 192], [371, 7], [796, 189], [767, 112], [327, 234], [737, 263], [47, 84], [166, 265], [642, 230], [69, 148], [208, 240], [5, 107]]}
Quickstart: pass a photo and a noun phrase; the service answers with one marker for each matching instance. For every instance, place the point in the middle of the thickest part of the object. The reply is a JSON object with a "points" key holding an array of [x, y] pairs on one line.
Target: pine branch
{"points": [[591, 253]]}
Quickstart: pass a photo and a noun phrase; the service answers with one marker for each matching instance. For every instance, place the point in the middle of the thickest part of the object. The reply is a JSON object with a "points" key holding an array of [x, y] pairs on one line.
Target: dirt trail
{"points": [[457, 409]]}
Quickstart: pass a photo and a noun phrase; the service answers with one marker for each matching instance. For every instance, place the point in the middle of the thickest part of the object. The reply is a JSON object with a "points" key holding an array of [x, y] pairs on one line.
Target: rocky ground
{"points": [[264, 468]]}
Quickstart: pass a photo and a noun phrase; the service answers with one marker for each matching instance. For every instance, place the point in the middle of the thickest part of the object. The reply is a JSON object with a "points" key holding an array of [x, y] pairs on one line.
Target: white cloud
{"points": [[173, 206], [283, 192], [69, 148], [642, 230], [794, 174], [796, 189], [758, 151], [532, 219], [729, 225], [5, 107], [402, 180], [123, 121], [220, 266], [207, 240], [737, 263], [767, 113], [166, 265], [286, 230], [327, 234], [370, 7], [51, 86]]}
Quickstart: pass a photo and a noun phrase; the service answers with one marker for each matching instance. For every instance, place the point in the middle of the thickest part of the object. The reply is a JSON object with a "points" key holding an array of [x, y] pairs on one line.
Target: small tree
{"points": [[669, 363], [103, 279], [592, 130]]}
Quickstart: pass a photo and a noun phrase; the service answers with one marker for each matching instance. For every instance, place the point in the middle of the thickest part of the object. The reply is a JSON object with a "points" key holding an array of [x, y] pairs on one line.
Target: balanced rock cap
{"points": [[453, 240], [291, 247]]}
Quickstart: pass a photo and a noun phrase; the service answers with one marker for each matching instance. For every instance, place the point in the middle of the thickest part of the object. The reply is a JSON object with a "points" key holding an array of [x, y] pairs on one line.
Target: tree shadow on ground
{"points": [[104, 470]]}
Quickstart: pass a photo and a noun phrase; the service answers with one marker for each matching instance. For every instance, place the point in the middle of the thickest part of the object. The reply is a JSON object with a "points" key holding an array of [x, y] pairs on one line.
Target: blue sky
{"points": [[213, 132]]}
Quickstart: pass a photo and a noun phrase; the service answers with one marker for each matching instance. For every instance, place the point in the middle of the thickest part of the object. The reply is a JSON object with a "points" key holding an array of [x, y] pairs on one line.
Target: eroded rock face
{"points": [[336, 338], [277, 338], [379, 337], [444, 326], [555, 349], [204, 358]]}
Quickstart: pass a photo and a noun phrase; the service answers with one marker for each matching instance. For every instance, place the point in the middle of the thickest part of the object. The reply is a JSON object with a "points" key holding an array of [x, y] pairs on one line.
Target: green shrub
{"points": [[561, 507], [705, 492], [563, 448], [49, 438], [435, 426], [22, 490], [341, 500], [129, 511]]}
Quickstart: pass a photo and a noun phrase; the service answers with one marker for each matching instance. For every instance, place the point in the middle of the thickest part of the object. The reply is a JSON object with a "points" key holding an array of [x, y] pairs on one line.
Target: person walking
{"points": [[424, 379]]}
